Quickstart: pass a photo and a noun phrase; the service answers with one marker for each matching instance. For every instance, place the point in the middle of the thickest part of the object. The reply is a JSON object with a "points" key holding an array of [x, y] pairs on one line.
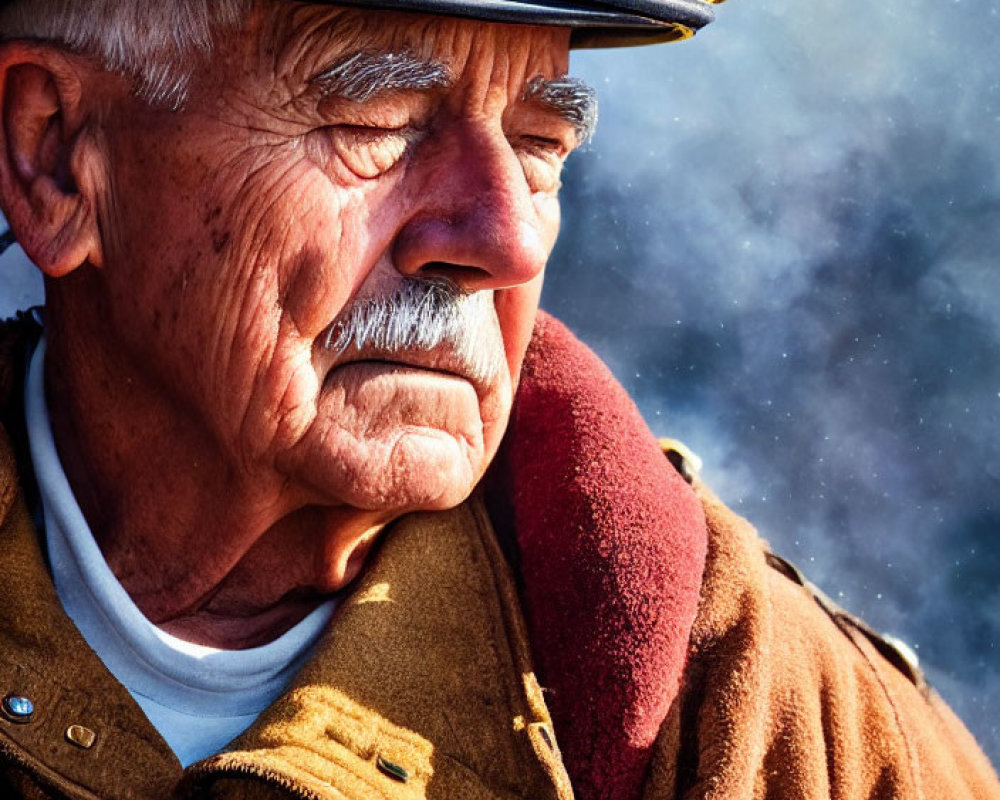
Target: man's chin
{"points": [[434, 470], [415, 468]]}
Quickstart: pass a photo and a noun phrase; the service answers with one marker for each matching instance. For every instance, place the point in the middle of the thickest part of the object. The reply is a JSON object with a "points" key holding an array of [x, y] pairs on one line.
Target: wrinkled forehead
{"points": [[304, 40]]}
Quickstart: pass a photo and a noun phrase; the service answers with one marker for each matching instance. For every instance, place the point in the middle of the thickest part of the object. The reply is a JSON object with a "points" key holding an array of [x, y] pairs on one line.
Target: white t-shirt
{"points": [[198, 698]]}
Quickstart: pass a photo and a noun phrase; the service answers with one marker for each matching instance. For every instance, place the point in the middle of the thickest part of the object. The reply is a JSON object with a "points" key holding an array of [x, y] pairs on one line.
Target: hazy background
{"points": [[782, 240]]}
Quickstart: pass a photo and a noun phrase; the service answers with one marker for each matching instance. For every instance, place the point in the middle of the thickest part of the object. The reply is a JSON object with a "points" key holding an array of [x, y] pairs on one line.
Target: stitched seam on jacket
{"points": [[244, 771], [288, 782], [347, 768], [911, 756], [498, 628], [40, 773], [505, 627]]}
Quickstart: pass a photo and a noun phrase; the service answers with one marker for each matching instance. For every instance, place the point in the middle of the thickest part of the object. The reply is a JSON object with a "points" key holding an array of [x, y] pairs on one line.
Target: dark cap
{"points": [[612, 23]]}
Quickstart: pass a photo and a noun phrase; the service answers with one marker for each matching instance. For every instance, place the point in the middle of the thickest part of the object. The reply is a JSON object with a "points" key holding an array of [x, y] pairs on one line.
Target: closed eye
{"points": [[370, 151], [542, 160]]}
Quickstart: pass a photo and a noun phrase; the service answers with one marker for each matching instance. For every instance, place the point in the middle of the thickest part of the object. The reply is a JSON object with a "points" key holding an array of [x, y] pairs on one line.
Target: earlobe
{"points": [[44, 166]]}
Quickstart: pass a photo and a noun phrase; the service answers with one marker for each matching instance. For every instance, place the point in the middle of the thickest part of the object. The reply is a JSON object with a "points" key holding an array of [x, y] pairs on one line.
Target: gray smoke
{"points": [[783, 241]]}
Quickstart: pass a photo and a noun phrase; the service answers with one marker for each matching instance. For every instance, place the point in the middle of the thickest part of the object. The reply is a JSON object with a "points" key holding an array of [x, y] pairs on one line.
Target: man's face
{"points": [[290, 189]]}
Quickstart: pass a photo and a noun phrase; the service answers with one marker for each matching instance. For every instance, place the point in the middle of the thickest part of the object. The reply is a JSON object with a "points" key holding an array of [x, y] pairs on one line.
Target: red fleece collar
{"points": [[612, 546]]}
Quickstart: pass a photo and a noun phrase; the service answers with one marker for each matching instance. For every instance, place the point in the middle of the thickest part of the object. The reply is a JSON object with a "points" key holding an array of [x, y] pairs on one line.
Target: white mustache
{"points": [[423, 314]]}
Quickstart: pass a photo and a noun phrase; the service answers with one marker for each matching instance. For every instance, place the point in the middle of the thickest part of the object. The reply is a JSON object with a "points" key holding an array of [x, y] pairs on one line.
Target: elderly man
{"points": [[251, 546]]}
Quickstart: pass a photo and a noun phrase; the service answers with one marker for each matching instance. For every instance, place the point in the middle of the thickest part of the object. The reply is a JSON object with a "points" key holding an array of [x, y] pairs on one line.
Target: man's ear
{"points": [[47, 158]]}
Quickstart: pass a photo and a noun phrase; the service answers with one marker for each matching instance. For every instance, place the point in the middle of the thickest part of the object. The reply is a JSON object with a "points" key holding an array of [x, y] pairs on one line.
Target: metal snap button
{"points": [[80, 736], [18, 708], [543, 730], [393, 770]]}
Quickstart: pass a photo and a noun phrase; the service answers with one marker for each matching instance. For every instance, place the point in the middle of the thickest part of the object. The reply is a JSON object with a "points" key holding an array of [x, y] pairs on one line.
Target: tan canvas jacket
{"points": [[423, 687]]}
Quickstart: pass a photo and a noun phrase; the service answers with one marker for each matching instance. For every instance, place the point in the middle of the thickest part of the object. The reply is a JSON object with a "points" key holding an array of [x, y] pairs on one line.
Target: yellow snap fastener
{"points": [[81, 736]]}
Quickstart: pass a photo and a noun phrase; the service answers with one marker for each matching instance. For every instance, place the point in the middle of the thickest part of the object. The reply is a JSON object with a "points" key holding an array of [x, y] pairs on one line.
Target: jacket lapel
{"points": [[422, 686]]}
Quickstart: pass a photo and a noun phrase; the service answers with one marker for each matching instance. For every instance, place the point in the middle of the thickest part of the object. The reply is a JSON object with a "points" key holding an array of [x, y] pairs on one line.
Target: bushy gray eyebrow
{"points": [[361, 76], [571, 98]]}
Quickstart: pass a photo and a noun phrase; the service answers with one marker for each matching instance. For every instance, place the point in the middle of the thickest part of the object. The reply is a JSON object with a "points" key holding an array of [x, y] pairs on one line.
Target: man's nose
{"points": [[476, 222]]}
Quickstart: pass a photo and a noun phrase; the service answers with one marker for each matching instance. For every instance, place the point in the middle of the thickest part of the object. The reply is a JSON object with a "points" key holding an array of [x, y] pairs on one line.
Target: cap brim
{"points": [[617, 23]]}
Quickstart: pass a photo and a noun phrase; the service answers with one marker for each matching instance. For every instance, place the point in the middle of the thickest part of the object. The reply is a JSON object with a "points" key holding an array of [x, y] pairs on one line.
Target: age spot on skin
{"points": [[219, 240]]}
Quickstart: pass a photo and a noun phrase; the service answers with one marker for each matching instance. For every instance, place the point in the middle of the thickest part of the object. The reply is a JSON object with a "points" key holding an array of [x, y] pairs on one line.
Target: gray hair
{"points": [[153, 42], [423, 314]]}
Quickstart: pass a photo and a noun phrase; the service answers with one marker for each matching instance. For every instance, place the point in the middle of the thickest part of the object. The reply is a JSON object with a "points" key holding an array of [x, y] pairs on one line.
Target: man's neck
{"points": [[212, 555]]}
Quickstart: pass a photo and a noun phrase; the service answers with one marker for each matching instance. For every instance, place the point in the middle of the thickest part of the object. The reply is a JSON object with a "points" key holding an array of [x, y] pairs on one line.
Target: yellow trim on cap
{"points": [[683, 31]]}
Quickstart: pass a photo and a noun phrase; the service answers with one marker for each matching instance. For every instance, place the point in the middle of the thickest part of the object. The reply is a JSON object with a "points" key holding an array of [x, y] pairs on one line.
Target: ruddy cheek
{"points": [[330, 247], [549, 215], [314, 291], [516, 312]]}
